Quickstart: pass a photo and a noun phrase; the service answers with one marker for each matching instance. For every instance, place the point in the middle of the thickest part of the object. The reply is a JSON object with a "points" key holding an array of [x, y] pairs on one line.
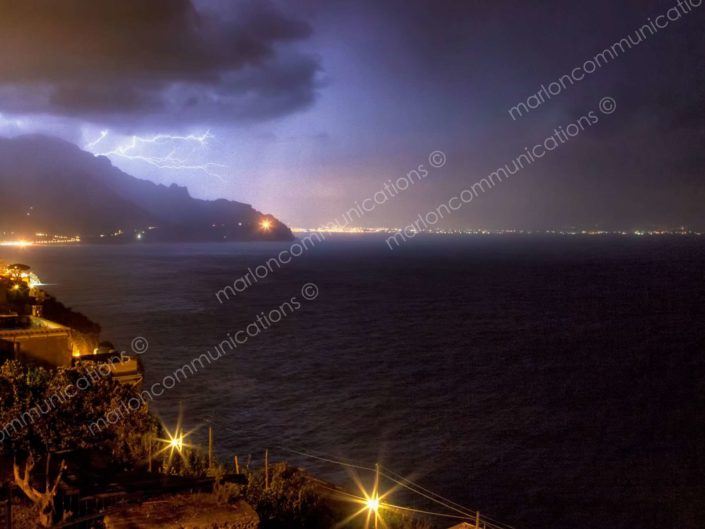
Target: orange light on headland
{"points": [[266, 225]]}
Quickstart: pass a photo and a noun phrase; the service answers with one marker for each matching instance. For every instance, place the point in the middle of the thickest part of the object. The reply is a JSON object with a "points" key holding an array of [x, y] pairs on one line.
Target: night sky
{"points": [[304, 107]]}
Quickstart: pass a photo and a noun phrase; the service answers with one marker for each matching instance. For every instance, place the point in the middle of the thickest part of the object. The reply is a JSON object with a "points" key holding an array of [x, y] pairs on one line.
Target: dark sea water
{"points": [[553, 383]]}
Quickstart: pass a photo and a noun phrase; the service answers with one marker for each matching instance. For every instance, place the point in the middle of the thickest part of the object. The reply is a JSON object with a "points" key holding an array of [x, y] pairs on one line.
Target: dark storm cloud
{"points": [[96, 99], [458, 67], [112, 58]]}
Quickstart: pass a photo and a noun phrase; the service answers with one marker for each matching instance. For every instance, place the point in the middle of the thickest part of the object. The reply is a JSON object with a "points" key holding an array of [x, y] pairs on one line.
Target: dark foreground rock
{"points": [[192, 511]]}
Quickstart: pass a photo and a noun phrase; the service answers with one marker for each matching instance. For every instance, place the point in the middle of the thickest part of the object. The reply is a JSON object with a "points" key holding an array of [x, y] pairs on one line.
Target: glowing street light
{"points": [[371, 505], [177, 443], [174, 443], [266, 225]]}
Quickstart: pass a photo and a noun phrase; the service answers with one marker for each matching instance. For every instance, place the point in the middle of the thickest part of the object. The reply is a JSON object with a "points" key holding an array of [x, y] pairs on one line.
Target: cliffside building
{"points": [[28, 337], [35, 340]]}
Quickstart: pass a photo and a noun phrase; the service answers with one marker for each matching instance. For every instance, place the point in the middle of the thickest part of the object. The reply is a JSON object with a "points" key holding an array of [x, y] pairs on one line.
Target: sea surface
{"points": [[550, 382]]}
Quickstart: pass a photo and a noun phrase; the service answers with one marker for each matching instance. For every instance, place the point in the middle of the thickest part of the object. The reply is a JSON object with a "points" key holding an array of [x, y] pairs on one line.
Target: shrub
{"points": [[292, 500]]}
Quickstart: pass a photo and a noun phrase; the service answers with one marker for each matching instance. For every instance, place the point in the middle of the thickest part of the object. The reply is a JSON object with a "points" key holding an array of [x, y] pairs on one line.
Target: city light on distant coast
{"points": [[41, 239], [19, 244]]}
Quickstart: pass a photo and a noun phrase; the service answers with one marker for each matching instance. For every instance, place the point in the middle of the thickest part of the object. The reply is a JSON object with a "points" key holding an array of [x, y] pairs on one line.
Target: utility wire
{"points": [[406, 483], [328, 460], [420, 487], [465, 513], [435, 500], [411, 486], [389, 505], [439, 496]]}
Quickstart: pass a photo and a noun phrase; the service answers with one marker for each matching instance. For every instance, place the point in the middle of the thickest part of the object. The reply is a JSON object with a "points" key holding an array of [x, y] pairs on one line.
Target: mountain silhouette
{"points": [[51, 186]]}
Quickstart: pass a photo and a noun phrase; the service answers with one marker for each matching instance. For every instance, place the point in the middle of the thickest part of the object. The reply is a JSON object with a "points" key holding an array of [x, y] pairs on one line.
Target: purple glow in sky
{"points": [[304, 107]]}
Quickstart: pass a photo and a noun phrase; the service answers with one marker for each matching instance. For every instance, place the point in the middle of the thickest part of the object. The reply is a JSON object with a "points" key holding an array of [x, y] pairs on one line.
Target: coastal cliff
{"points": [[53, 188]]}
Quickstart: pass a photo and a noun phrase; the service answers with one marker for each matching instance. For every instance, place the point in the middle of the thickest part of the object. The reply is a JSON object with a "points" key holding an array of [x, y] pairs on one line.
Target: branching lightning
{"points": [[103, 135], [135, 148]]}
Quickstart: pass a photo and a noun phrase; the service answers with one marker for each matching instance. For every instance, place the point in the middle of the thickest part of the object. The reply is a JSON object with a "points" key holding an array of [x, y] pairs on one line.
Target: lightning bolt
{"points": [[94, 143], [134, 149]]}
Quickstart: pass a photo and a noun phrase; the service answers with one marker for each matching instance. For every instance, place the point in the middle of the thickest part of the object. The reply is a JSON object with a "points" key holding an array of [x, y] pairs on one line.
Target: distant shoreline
{"points": [[365, 232], [558, 233]]}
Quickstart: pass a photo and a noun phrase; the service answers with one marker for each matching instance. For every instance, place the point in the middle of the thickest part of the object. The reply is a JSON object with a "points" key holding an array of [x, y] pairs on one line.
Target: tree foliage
{"points": [[43, 412], [48, 411], [292, 500]]}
